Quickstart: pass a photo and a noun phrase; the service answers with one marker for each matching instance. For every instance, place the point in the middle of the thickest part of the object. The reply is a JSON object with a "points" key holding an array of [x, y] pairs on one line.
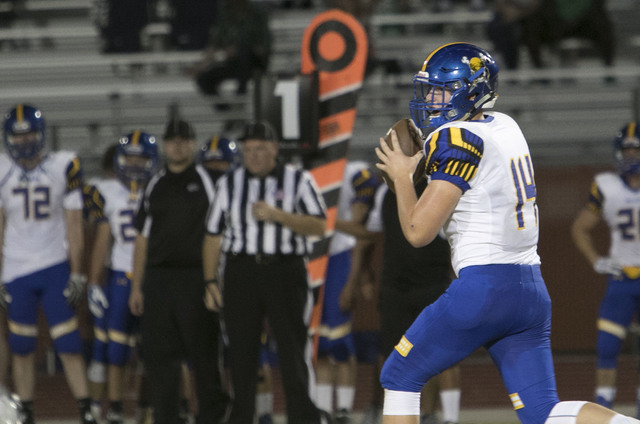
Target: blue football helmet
{"points": [[467, 71], [136, 144], [220, 149], [21, 120], [627, 138]]}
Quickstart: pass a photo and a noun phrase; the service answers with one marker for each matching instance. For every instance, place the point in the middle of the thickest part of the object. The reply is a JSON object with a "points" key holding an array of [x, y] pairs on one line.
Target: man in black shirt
{"points": [[260, 218], [167, 285], [412, 278]]}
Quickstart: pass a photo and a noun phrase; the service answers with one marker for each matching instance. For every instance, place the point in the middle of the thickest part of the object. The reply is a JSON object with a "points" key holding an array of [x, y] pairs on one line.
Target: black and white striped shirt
{"points": [[287, 187]]}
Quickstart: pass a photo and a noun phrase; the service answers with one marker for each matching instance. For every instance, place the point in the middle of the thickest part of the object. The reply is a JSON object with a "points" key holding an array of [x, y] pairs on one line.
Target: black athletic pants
{"points": [[175, 327], [275, 287]]}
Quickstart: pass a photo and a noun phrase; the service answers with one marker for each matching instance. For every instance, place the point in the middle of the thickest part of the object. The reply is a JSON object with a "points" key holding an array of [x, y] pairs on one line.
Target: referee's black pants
{"points": [[278, 289], [175, 327]]}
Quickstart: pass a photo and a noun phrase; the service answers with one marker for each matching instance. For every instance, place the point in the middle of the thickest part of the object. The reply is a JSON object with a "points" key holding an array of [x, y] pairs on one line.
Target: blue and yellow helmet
{"points": [[20, 120], [139, 144], [220, 149], [627, 138], [467, 71]]}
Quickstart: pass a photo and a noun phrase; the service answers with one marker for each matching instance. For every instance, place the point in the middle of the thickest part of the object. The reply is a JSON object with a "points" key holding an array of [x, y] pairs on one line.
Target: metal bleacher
{"points": [[567, 112]]}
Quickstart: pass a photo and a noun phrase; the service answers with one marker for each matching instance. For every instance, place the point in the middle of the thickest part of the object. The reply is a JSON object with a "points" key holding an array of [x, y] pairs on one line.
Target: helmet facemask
{"points": [[136, 168], [24, 132], [25, 145], [627, 157], [430, 107], [136, 158]]}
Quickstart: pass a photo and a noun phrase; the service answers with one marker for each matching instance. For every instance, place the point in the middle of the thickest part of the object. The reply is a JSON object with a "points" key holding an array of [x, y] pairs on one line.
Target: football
{"points": [[411, 142]]}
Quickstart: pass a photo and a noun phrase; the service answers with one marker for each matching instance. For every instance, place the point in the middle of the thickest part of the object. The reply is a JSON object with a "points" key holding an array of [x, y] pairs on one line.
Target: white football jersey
{"points": [[33, 203], [496, 219], [119, 206], [341, 242], [620, 208]]}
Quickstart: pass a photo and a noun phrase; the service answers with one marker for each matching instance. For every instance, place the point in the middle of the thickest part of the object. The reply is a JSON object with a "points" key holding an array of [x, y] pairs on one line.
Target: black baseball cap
{"points": [[261, 130], [179, 128]]}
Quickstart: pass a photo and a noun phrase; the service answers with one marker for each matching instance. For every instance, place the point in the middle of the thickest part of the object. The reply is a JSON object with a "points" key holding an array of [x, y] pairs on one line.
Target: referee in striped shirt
{"points": [[259, 219]]}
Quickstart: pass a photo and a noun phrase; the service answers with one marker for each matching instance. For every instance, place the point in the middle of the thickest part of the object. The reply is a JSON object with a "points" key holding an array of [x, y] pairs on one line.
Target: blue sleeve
{"points": [[595, 199], [93, 203], [74, 175], [453, 154], [364, 184]]}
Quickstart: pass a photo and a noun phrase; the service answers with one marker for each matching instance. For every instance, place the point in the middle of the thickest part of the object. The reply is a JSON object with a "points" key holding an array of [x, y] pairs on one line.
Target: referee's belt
{"points": [[263, 258]]}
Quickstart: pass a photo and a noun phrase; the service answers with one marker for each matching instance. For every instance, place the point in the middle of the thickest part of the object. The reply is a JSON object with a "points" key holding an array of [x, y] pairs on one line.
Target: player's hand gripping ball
{"points": [[411, 142]]}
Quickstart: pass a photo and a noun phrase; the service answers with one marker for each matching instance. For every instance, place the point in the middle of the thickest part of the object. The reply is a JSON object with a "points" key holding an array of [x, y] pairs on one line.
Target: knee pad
{"points": [[608, 346], [22, 345], [565, 412]]}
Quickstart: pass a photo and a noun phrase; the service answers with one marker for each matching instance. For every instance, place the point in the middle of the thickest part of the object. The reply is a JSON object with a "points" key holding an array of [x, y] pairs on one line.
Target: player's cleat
{"points": [[265, 419], [87, 418], [325, 417], [96, 409], [429, 419], [372, 415], [343, 417], [145, 416], [25, 412], [114, 417]]}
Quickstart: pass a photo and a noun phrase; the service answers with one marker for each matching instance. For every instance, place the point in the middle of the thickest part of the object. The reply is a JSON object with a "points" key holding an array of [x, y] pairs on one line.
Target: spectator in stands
{"points": [[190, 23], [239, 46], [556, 20], [120, 23], [509, 27]]}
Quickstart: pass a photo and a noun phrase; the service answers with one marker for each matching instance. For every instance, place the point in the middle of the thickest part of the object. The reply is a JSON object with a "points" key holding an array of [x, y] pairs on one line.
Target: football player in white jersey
{"points": [[41, 209], [482, 194], [615, 199], [336, 365], [115, 205]]}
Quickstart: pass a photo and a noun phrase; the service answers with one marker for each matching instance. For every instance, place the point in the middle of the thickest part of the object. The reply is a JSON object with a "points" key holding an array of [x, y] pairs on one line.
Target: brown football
{"points": [[411, 142]]}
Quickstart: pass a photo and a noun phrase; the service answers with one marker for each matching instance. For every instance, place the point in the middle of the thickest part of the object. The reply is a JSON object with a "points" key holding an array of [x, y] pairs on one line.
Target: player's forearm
{"points": [[75, 239], [99, 252], [421, 221], [302, 224], [584, 242], [211, 247], [353, 228], [581, 234], [139, 262]]}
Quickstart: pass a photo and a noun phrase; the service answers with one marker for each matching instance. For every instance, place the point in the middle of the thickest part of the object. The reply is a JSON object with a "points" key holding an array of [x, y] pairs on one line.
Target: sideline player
{"points": [[615, 198], [118, 199], [219, 155], [482, 194], [42, 233], [336, 365]]}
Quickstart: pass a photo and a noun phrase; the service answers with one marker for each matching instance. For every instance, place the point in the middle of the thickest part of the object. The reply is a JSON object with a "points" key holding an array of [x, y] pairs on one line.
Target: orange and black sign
{"points": [[335, 46]]}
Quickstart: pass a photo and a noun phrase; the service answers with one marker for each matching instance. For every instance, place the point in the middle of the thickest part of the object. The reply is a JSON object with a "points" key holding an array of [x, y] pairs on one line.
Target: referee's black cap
{"points": [[179, 128], [260, 130]]}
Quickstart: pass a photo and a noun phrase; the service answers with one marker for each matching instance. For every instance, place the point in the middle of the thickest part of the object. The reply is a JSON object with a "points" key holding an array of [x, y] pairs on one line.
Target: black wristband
{"points": [[211, 281]]}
